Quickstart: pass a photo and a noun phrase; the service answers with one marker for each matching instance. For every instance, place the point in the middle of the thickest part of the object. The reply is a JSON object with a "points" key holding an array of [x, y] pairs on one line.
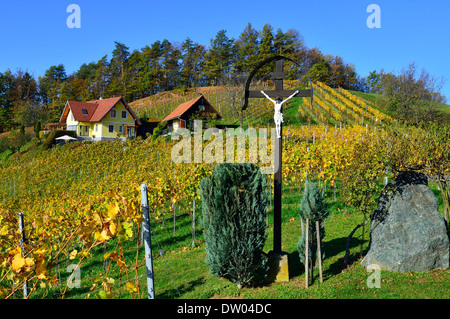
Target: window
{"points": [[124, 114], [96, 127], [201, 107], [113, 113], [111, 128], [84, 111], [84, 130], [120, 129]]}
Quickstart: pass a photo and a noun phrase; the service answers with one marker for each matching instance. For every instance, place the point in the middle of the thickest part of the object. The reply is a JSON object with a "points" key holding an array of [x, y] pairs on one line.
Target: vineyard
{"points": [[339, 106], [226, 100], [81, 202]]}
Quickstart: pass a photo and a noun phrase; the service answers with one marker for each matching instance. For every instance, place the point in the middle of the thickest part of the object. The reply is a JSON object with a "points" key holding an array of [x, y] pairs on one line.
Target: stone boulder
{"points": [[408, 232]]}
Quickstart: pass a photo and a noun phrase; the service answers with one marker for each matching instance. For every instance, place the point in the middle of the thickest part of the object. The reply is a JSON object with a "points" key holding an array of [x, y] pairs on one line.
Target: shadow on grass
{"points": [[331, 249], [185, 288]]}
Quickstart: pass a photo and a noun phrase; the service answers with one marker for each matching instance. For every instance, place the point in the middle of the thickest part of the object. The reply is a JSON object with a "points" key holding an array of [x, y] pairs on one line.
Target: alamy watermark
{"points": [[241, 146], [374, 280], [374, 19], [74, 19], [74, 280]]}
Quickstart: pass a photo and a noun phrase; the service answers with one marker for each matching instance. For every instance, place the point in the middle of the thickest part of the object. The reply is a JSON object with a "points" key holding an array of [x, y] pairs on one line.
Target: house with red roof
{"points": [[103, 119], [183, 116]]}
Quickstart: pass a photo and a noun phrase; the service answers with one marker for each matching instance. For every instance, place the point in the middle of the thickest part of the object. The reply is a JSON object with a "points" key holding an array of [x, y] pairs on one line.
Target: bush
{"points": [[234, 217], [4, 144], [157, 131], [315, 208], [17, 139]]}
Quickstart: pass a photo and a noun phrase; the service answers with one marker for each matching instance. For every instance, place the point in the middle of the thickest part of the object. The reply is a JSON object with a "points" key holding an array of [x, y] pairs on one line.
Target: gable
{"points": [[118, 109], [189, 107], [94, 111]]}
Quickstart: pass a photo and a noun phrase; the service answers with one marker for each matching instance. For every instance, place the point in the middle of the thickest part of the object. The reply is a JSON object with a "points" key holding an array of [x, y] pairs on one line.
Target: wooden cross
{"points": [[279, 93]]}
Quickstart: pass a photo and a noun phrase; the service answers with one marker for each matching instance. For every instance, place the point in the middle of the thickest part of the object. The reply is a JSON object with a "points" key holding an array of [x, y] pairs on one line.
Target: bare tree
{"points": [[413, 97], [234, 94]]}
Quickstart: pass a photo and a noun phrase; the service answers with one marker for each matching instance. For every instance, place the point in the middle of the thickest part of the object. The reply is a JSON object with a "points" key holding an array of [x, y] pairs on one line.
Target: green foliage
{"points": [[4, 145], [234, 217], [157, 131], [411, 97], [315, 208], [17, 139], [38, 129], [319, 72]]}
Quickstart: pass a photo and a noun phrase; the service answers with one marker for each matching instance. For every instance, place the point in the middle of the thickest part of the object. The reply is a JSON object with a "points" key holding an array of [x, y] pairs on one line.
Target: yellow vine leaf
{"points": [[112, 228], [73, 254], [4, 231], [18, 262], [130, 287], [113, 209]]}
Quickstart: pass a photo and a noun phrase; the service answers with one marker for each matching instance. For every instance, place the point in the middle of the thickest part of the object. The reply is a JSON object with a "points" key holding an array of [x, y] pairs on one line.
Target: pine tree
{"points": [[247, 50], [234, 217]]}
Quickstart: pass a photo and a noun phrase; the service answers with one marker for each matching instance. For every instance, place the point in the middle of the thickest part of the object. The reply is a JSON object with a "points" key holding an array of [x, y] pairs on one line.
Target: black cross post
{"points": [[278, 94]]}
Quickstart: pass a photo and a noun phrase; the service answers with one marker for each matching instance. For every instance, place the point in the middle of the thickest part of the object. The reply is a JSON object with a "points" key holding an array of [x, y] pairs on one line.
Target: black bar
{"points": [[278, 161], [277, 180], [280, 93], [279, 70]]}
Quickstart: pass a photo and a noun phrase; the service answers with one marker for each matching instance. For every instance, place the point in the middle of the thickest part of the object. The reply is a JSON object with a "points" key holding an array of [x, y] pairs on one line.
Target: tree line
{"points": [[161, 66], [165, 65]]}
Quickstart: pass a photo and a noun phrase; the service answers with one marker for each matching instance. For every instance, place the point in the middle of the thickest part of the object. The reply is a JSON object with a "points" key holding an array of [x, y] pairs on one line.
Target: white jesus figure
{"points": [[278, 116]]}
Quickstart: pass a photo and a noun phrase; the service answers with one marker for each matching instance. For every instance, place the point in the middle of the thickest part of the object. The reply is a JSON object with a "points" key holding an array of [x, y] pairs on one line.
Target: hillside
{"points": [[81, 204], [328, 103]]}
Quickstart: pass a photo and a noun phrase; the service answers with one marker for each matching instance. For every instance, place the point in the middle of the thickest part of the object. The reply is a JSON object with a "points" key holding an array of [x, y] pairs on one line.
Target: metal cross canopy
{"points": [[279, 93]]}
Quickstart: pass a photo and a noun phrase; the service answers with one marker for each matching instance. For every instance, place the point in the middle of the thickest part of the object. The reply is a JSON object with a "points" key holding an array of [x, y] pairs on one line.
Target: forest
{"points": [[164, 65], [161, 66]]}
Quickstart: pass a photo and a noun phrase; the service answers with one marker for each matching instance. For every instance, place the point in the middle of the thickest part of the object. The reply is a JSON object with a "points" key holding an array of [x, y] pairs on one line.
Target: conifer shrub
{"points": [[313, 206], [234, 208]]}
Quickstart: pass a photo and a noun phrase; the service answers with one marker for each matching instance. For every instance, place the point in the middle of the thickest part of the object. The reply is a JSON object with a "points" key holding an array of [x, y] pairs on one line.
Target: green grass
{"points": [[186, 274]]}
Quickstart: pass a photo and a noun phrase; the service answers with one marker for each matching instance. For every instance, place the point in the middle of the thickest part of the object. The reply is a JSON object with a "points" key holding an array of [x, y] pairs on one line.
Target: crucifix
{"points": [[278, 94], [278, 116]]}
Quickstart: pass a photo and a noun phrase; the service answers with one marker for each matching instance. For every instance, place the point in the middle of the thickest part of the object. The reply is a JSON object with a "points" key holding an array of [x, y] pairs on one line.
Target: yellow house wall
{"points": [[80, 128], [117, 121], [175, 124], [70, 120]]}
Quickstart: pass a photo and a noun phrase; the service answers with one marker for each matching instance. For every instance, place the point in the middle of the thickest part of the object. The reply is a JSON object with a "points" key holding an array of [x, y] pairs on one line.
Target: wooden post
{"points": [[148, 242], [306, 253], [319, 251]]}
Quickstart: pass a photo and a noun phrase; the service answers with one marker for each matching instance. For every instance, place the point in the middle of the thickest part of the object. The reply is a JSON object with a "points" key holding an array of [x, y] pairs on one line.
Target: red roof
{"points": [[93, 111], [184, 107]]}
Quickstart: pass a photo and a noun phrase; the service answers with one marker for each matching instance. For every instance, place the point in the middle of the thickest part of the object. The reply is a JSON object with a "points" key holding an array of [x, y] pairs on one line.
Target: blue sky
{"points": [[34, 34]]}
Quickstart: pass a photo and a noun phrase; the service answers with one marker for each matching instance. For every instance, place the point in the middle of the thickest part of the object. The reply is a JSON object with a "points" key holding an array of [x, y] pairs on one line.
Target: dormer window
{"points": [[84, 111]]}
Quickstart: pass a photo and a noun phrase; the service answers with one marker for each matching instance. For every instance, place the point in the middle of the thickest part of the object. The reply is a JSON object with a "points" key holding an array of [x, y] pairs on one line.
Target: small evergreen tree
{"points": [[234, 211], [314, 207], [38, 128]]}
